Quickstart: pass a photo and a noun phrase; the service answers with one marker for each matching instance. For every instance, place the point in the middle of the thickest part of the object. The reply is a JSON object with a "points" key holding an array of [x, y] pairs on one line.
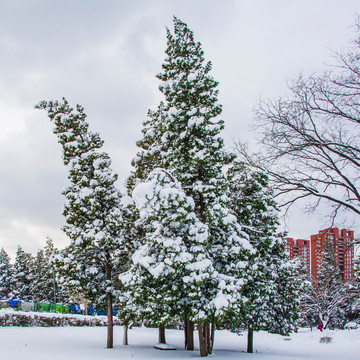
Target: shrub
{"points": [[17, 318]]}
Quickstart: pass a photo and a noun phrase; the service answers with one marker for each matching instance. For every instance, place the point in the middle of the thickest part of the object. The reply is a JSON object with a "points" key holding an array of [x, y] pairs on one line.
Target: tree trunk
{"points": [[212, 337], [162, 339], [110, 327], [125, 337], [324, 319], [86, 302], [206, 331], [189, 334], [250, 340], [202, 340]]}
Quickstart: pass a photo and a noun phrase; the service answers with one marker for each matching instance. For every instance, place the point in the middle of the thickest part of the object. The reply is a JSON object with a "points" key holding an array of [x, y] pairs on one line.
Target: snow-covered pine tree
{"points": [[191, 141], [252, 200], [149, 157], [273, 288], [194, 153], [93, 209], [5, 275], [40, 283], [171, 269], [50, 251], [146, 160], [286, 299], [22, 276], [44, 287], [77, 288]]}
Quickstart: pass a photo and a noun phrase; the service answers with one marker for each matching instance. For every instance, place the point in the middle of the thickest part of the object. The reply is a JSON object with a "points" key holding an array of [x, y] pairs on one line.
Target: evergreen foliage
{"points": [[194, 149], [93, 209], [273, 288], [5, 275], [286, 297], [148, 158], [44, 286], [67, 274], [22, 276], [183, 137], [150, 155], [253, 202], [194, 153], [170, 266]]}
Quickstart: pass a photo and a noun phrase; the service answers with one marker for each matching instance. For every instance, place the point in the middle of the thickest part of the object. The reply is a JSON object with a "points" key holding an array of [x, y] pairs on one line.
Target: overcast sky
{"points": [[105, 54]]}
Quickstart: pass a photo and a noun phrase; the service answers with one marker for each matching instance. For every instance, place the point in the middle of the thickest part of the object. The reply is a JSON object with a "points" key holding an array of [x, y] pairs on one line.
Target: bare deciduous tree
{"points": [[324, 297], [312, 137]]}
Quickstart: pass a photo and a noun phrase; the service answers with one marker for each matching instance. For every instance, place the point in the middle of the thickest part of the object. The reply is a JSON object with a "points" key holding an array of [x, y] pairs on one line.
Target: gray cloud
{"points": [[105, 55]]}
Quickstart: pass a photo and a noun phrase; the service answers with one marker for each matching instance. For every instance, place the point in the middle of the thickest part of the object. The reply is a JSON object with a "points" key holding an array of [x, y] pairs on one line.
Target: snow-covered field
{"points": [[70, 343]]}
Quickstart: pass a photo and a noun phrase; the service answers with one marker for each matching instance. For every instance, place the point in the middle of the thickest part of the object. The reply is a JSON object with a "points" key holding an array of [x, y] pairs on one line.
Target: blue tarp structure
{"points": [[104, 313], [75, 309], [91, 310], [71, 309], [13, 302]]}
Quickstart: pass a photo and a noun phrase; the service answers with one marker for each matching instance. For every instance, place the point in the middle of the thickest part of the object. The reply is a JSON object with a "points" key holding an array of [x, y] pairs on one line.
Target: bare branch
{"points": [[311, 139]]}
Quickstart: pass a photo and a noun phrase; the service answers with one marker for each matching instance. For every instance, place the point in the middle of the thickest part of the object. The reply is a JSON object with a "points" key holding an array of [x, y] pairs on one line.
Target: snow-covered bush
{"points": [[351, 325], [9, 317]]}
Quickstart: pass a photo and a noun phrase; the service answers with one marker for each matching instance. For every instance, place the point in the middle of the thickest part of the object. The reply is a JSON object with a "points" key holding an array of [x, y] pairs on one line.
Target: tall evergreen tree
{"points": [[252, 200], [170, 267], [22, 276], [44, 287], [273, 288], [146, 160], [183, 137], [193, 151], [50, 251], [191, 141], [93, 209], [5, 275], [74, 287], [39, 284]]}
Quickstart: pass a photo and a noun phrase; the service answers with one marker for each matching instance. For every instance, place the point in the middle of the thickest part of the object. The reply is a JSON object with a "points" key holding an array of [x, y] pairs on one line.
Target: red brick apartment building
{"points": [[310, 251], [299, 248], [344, 253]]}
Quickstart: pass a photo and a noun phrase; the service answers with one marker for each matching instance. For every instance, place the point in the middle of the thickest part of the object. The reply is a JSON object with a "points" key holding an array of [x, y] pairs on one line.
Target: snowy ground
{"points": [[70, 343]]}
